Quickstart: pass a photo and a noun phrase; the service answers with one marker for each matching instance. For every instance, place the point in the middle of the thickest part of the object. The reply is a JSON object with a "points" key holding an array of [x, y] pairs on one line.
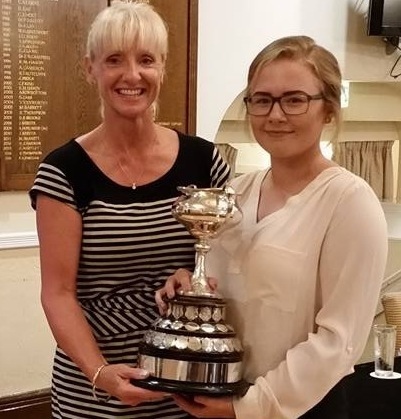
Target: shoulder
{"points": [[354, 202], [200, 158], [65, 155], [196, 151], [63, 175], [244, 182], [71, 161], [344, 195], [347, 185], [195, 143], [60, 161]]}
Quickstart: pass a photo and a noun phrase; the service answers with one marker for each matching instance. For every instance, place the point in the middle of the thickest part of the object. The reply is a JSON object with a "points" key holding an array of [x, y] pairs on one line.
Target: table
{"points": [[373, 398]]}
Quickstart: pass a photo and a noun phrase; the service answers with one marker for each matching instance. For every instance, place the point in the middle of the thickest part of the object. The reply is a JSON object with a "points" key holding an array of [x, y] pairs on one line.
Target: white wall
{"points": [[231, 32]]}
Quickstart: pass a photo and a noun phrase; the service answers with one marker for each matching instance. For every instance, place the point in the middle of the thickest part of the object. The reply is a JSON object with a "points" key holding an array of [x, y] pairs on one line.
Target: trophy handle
{"points": [[186, 190]]}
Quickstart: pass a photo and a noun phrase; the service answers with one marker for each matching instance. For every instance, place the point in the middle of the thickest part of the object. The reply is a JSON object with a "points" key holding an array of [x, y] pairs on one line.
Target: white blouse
{"points": [[302, 286]]}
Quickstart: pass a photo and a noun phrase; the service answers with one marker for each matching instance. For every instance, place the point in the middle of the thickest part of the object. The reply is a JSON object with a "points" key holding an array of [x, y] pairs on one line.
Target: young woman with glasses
{"points": [[303, 265]]}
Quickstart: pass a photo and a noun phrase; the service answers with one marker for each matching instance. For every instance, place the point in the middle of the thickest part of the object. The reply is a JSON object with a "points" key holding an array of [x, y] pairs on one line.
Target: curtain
{"points": [[371, 160], [229, 154]]}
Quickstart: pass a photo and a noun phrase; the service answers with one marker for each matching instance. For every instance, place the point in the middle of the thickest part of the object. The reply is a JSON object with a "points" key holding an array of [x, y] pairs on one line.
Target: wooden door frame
{"points": [[192, 65]]}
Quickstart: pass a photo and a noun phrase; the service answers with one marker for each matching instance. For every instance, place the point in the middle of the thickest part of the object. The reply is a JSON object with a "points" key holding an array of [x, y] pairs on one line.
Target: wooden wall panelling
{"points": [[178, 94], [46, 99]]}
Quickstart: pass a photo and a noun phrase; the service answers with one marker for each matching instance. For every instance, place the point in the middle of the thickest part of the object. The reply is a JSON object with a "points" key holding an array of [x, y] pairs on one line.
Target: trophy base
{"points": [[187, 388]]}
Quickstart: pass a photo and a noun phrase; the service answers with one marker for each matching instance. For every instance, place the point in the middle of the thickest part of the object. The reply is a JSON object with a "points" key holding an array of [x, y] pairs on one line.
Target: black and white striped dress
{"points": [[130, 245]]}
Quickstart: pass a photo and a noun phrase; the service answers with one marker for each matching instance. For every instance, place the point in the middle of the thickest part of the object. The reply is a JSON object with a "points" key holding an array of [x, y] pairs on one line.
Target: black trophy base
{"points": [[188, 388]]}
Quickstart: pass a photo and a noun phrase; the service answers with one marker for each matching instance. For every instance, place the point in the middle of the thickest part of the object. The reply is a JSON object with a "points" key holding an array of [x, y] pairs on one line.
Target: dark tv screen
{"points": [[384, 18]]}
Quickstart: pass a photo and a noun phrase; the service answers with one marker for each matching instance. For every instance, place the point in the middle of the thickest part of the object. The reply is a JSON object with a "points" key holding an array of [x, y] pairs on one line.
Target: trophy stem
{"points": [[199, 282]]}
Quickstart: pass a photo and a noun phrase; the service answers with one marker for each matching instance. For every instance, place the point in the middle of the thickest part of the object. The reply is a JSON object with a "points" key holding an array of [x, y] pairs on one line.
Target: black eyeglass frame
{"points": [[278, 99]]}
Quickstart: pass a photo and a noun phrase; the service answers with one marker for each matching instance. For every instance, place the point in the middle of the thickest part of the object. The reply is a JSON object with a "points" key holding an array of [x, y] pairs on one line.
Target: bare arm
{"points": [[60, 232], [59, 229]]}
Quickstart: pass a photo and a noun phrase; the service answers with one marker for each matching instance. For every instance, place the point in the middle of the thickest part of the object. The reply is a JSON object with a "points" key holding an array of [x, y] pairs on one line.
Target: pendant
{"points": [[133, 186]]}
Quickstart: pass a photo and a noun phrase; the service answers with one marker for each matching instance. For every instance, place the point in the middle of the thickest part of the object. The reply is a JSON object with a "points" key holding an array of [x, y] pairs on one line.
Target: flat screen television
{"points": [[384, 18]]}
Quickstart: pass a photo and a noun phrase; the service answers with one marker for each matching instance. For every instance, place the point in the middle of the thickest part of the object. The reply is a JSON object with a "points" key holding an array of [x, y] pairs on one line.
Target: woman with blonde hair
{"points": [[302, 268], [107, 237]]}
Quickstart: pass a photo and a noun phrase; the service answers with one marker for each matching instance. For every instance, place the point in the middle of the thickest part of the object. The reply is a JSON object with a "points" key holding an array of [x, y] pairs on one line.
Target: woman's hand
{"points": [[115, 380], [180, 281], [207, 407]]}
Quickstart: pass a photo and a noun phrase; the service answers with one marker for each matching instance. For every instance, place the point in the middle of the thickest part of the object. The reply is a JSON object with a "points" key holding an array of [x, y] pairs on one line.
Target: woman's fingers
{"points": [[115, 380], [161, 304], [179, 281], [182, 279], [212, 282]]}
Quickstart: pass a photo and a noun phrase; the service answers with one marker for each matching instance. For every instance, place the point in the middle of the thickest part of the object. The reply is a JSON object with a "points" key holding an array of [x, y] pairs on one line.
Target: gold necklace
{"points": [[134, 184]]}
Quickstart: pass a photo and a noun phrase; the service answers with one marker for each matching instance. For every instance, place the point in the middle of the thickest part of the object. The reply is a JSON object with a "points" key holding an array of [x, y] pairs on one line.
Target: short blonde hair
{"points": [[123, 25], [322, 62]]}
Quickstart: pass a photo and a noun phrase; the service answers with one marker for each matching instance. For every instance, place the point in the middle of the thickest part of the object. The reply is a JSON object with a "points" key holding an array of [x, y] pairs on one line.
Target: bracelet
{"points": [[95, 377]]}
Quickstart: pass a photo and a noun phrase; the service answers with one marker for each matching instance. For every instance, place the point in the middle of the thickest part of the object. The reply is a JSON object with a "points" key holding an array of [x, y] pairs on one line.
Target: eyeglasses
{"points": [[261, 104]]}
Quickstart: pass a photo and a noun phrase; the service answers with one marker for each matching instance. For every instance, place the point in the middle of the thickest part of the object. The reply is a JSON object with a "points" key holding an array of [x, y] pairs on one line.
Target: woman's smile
{"points": [[278, 133], [130, 92]]}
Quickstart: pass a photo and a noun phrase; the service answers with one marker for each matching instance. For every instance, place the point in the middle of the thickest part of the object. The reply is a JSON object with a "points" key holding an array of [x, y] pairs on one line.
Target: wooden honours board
{"points": [[45, 97]]}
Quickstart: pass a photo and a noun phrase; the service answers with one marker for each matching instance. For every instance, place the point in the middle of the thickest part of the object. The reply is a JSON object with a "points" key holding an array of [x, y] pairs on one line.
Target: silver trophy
{"points": [[192, 350]]}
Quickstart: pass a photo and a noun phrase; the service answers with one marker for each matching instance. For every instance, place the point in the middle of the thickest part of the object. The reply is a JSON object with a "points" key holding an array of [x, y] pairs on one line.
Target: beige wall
{"points": [[25, 342], [16, 217]]}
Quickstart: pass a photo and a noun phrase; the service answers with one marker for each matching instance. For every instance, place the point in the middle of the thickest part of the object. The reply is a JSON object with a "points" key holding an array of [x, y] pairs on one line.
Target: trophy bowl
{"points": [[191, 349]]}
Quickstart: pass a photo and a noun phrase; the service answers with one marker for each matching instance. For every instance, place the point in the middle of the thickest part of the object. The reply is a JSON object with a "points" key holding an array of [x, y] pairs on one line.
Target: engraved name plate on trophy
{"points": [[192, 350]]}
